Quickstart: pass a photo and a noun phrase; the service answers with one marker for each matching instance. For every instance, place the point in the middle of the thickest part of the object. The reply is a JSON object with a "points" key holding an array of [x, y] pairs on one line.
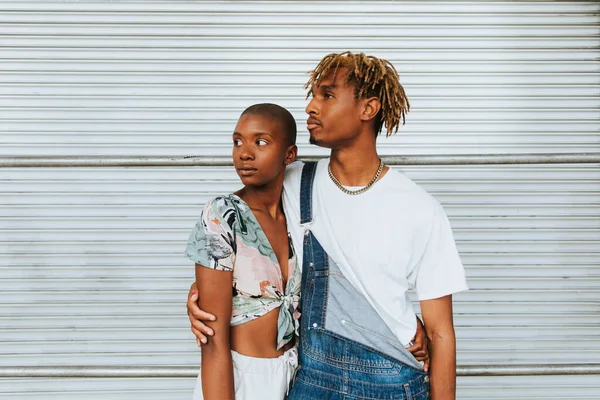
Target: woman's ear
{"points": [[292, 153], [371, 108]]}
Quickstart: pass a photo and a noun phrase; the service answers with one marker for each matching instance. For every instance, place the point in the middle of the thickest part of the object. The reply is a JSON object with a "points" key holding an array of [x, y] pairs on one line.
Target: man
{"points": [[368, 233]]}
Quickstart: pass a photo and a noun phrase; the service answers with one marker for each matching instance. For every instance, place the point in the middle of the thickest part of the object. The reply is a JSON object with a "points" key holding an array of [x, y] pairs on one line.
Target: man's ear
{"points": [[291, 154], [371, 107]]}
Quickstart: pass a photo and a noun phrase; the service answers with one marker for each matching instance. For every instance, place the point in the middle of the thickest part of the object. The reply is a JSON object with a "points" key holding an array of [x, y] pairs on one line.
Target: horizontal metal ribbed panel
{"points": [[97, 389], [171, 78], [98, 252]]}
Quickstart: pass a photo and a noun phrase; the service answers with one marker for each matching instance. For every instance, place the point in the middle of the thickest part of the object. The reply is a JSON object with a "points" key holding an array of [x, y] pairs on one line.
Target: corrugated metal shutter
{"points": [[91, 258]]}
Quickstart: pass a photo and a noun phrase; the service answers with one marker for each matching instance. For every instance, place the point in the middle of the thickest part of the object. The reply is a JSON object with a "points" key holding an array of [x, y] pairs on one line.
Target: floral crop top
{"points": [[228, 237]]}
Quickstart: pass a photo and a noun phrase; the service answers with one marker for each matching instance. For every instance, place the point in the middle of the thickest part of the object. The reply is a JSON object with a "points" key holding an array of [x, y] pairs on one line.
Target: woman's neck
{"points": [[266, 199]]}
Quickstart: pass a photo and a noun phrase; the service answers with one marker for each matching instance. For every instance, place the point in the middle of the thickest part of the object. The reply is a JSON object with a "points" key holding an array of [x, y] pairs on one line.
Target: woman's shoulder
{"points": [[221, 204], [222, 210]]}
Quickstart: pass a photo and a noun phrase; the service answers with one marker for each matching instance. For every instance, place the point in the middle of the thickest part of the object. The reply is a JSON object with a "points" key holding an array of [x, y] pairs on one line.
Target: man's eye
{"points": [[237, 142], [261, 142]]}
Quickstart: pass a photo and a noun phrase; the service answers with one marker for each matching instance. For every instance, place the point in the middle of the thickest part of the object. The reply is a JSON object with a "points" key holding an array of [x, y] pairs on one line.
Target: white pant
{"points": [[259, 378]]}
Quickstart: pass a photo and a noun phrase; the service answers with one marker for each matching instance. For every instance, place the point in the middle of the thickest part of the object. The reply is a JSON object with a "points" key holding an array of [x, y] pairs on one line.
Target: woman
{"points": [[246, 269]]}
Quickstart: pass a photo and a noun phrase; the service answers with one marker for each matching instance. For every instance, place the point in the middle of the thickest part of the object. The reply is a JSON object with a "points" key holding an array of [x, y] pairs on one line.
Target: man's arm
{"points": [[214, 290], [439, 325]]}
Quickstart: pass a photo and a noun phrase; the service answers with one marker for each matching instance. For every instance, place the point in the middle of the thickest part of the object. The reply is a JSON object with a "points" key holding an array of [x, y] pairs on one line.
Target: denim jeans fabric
{"points": [[333, 366]]}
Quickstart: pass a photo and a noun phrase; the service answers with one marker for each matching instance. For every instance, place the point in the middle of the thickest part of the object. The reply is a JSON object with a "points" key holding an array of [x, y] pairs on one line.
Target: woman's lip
{"points": [[246, 171]]}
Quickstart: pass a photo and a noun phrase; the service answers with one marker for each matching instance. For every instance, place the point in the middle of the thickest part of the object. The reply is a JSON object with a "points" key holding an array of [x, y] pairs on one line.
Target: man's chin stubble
{"points": [[312, 140], [319, 143]]}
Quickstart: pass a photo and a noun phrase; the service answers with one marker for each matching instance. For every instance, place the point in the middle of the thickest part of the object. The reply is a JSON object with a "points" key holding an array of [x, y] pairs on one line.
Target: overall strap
{"points": [[306, 188]]}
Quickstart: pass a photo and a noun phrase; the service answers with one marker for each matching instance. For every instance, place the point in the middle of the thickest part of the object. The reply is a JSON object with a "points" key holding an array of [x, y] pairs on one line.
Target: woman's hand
{"points": [[419, 348], [198, 317]]}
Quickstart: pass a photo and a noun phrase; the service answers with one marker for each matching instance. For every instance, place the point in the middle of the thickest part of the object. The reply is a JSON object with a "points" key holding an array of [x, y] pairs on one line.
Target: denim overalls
{"points": [[346, 350]]}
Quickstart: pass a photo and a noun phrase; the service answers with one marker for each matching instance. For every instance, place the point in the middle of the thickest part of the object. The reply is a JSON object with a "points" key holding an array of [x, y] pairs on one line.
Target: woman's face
{"points": [[260, 149]]}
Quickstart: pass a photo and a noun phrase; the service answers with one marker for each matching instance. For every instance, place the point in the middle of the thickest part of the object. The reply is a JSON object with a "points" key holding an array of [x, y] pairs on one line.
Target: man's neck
{"points": [[355, 165]]}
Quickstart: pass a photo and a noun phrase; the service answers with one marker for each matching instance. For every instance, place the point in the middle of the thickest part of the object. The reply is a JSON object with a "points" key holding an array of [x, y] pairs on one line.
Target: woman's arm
{"points": [[214, 289], [439, 325]]}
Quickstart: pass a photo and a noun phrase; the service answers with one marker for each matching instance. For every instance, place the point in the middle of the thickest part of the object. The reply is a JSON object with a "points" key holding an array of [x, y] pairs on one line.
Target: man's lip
{"points": [[312, 126]]}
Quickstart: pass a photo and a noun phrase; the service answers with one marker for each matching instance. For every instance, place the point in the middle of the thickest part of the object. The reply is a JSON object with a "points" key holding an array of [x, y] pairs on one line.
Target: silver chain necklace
{"points": [[358, 191]]}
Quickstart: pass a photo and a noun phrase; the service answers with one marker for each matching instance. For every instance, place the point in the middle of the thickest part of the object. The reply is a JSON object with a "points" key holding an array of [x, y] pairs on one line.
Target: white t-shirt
{"points": [[393, 237]]}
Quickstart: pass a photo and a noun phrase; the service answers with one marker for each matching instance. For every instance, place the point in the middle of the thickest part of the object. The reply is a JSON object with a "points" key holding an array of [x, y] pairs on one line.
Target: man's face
{"points": [[259, 149], [333, 112]]}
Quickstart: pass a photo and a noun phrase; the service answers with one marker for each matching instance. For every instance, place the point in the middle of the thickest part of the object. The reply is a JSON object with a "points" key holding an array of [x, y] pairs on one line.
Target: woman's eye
{"points": [[261, 142], [328, 95]]}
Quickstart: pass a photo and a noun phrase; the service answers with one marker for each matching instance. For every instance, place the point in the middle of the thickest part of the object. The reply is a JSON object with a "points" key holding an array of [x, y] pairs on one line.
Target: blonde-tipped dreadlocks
{"points": [[371, 76]]}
